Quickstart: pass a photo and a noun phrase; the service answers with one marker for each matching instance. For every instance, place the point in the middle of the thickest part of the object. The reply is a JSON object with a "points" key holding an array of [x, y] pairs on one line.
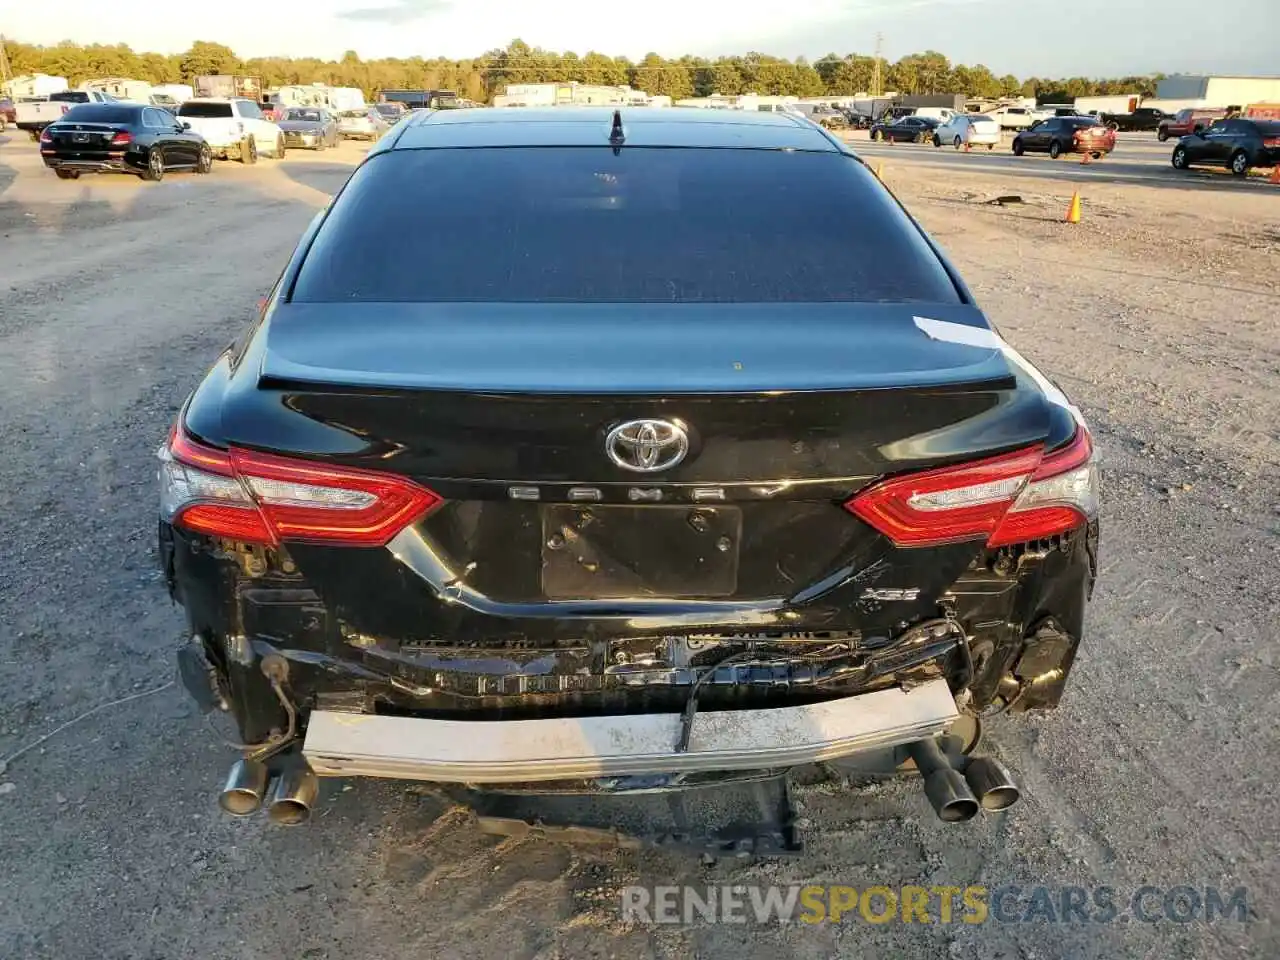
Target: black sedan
{"points": [[1236, 144], [122, 138], [905, 129], [706, 462], [312, 128]]}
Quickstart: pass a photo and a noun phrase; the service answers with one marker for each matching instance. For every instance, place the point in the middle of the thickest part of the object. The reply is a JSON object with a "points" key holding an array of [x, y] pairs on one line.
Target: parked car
{"points": [[8, 113], [1187, 121], [233, 127], [857, 119], [973, 129], [1236, 144], [34, 115], [910, 129], [1014, 118], [1143, 118], [363, 124], [122, 138], [824, 115], [313, 128], [391, 112], [517, 519], [1059, 135]]}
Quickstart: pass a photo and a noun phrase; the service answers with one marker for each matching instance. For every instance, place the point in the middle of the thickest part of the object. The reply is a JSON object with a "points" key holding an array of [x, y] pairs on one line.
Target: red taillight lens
{"points": [[1271, 142], [121, 139], [952, 504], [1012, 498], [262, 498], [46, 136]]}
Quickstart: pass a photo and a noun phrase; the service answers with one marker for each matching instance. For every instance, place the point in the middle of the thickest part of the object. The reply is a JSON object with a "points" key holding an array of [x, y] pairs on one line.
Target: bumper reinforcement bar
{"points": [[514, 751]]}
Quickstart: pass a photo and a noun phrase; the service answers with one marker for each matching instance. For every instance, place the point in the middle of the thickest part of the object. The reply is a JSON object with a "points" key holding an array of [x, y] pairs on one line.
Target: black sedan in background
{"points": [[1237, 145], [313, 128], [122, 138], [905, 129]]}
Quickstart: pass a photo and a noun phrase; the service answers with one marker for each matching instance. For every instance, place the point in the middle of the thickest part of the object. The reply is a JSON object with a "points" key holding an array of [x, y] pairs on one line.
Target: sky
{"points": [[1023, 37]]}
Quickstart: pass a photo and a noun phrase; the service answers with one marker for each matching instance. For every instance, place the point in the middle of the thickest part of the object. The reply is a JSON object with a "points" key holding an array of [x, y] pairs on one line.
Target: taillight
{"points": [[1013, 498], [46, 136], [263, 498], [1271, 142], [121, 139]]}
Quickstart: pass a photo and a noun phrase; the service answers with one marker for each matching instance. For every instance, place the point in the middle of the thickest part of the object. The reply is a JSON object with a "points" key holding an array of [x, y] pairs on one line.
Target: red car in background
{"points": [[1059, 135], [1187, 121], [8, 112]]}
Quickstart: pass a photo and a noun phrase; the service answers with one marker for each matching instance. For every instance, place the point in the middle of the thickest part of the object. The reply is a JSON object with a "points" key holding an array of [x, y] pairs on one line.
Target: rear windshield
{"points": [[642, 225], [354, 114], [190, 109], [1268, 128], [70, 96], [311, 116], [100, 113]]}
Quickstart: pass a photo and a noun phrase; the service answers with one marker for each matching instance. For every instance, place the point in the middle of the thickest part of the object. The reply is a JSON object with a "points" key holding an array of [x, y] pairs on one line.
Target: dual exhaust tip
{"points": [[289, 798], [985, 784]]}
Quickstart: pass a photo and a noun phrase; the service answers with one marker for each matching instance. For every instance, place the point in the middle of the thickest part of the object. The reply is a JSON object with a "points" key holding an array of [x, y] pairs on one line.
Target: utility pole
{"points": [[5, 76], [876, 89]]}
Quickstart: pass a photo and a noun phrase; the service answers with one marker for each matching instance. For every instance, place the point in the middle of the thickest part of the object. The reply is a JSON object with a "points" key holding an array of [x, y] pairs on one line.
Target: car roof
{"points": [[591, 126]]}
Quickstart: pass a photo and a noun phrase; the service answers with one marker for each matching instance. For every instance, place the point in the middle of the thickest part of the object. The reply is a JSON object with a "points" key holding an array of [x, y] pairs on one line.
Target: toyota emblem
{"points": [[647, 446]]}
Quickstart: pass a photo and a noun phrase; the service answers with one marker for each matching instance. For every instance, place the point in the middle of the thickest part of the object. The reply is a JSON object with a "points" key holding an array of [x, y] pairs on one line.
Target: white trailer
{"points": [[35, 86], [122, 88], [172, 94]]}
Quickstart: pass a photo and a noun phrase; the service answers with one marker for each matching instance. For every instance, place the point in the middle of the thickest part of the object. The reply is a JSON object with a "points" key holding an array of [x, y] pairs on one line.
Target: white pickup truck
{"points": [[1017, 118], [34, 115], [234, 127]]}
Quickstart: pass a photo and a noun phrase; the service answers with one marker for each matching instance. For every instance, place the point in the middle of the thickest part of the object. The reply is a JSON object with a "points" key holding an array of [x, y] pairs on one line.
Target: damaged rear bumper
{"points": [[523, 751]]}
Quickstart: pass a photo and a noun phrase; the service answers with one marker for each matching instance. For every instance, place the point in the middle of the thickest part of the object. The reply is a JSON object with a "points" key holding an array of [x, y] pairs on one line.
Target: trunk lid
{"points": [[85, 139], [507, 412]]}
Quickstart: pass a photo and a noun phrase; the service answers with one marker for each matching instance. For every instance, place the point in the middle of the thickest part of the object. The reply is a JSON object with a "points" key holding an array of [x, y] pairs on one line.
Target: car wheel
{"points": [[204, 162], [1180, 161], [991, 146], [956, 142], [155, 166], [1162, 135], [1017, 147], [249, 150], [1055, 150], [937, 141], [68, 174], [1240, 163], [280, 148]]}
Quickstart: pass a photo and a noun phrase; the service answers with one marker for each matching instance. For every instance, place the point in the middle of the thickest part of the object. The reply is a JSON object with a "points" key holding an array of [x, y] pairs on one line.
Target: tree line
{"points": [[482, 77]]}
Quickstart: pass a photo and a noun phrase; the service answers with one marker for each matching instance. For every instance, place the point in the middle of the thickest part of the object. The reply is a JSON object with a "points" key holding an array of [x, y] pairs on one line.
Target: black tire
{"points": [[155, 166], [937, 141], [280, 148], [1017, 147], [991, 146], [1162, 135], [1180, 159], [68, 174], [34, 134], [956, 142], [1240, 164], [204, 161], [1055, 150], [249, 151]]}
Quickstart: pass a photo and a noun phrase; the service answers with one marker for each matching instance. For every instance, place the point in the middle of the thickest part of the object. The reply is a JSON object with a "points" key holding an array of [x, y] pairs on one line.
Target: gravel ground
{"points": [[1157, 313]]}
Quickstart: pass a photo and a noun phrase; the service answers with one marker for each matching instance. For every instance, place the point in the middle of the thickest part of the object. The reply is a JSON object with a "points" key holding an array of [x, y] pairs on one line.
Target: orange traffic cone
{"points": [[966, 145], [1073, 211], [1275, 174]]}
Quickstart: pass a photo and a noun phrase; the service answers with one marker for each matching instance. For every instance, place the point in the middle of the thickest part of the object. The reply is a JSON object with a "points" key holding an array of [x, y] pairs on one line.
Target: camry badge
{"points": [[647, 446]]}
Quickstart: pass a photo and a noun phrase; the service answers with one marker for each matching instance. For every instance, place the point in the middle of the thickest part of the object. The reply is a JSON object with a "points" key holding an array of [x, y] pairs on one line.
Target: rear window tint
{"points": [[100, 113], [645, 224], [206, 110]]}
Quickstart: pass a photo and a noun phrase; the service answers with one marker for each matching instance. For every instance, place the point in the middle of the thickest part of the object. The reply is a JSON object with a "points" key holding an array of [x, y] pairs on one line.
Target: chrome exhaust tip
{"points": [[293, 796], [245, 787], [992, 783], [944, 786]]}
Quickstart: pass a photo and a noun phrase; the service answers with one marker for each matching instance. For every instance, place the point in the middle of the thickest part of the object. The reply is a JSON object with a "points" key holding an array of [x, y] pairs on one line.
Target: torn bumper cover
{"points": [[521, 751]]}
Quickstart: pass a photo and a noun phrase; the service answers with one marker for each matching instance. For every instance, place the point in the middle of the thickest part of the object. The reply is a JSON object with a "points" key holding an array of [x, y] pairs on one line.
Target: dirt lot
{"points": [[1158, 313]]}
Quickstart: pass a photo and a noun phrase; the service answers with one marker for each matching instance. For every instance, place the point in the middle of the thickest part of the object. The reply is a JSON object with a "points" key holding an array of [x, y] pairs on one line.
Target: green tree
{"points": [[205, 58]]}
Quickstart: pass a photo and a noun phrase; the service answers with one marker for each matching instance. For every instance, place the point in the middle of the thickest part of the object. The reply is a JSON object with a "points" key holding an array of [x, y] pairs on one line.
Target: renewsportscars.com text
{"points": [[973, 904]]}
